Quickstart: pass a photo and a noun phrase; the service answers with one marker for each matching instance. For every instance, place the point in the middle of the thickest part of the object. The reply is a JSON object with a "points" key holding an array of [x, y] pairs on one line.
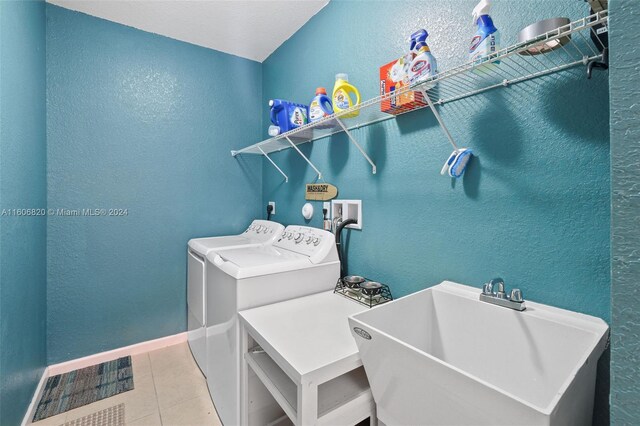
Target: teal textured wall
{"points": [[22, 186], [145, 123], [625, 230], [533, 206]]}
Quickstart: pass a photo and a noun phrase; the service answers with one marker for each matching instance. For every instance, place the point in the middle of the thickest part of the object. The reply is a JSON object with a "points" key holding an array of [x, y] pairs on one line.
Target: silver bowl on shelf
{"points": [[539, 28]]}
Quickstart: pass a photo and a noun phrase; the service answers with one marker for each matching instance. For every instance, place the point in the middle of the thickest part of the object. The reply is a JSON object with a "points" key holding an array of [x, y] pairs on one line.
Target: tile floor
{"points": [[169, 390]]}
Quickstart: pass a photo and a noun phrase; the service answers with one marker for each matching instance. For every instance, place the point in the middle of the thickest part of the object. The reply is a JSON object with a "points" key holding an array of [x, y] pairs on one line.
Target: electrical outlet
{"points": [[273, 204]]}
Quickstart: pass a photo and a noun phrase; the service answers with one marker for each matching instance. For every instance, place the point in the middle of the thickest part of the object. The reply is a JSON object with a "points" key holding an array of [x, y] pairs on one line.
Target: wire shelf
{"points": [[508, 66]]}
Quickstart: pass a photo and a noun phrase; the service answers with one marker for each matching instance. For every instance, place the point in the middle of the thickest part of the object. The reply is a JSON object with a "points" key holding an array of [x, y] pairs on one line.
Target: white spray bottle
{"points": [[424, 65], [487, 39]]}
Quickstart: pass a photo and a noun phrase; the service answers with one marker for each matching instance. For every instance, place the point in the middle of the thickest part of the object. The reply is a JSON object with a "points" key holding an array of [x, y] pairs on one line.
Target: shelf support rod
{"points": [[437, 114], [352, 139], [304, 156], [286, 178]]}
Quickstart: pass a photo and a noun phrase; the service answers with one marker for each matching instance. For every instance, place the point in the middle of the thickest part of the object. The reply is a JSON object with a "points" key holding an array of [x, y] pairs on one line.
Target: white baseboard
{"points": [[138, 348], [36, 397]]}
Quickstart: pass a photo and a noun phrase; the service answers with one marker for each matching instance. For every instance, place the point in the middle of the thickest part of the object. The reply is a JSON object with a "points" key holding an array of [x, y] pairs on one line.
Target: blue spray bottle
{"points": [[487, 38], [424, 65]]}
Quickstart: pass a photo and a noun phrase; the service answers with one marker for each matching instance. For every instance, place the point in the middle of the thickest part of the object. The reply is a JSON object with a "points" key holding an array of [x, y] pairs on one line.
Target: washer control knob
{"points": [[298, 237], [290, 235], [316, 241], [309, 239]]}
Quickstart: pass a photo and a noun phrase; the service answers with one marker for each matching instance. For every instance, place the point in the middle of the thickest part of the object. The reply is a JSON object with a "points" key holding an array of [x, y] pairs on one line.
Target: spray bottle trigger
{"points": [[418, 39], [481, 8]]}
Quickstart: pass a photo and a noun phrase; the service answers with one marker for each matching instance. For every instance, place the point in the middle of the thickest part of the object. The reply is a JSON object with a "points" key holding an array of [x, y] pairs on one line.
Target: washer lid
{"points": [[251, 257], [204, 245], [257, 261]]}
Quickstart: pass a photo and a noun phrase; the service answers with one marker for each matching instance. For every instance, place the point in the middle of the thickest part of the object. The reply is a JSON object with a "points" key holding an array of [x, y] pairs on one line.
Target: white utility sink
{"points": [[443, 357]]}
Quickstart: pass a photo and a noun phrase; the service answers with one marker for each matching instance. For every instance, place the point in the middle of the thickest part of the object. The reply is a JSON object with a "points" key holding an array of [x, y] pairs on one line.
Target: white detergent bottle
{"points": [[487, 38], [424, 65]]}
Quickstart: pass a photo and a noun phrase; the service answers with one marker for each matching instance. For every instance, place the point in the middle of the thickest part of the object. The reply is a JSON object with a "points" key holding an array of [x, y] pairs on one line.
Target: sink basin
{"points": [[442, 357]]}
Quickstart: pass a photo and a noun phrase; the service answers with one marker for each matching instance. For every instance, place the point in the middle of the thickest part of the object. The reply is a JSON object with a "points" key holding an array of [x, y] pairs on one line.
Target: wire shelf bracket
{"points": [[352, 139], [286, 178], [439, 118], [293, 145]]}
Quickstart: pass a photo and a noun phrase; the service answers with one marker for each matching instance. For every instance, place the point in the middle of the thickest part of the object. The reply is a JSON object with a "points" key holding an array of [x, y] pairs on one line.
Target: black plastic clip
{"points": [[604, 64]]}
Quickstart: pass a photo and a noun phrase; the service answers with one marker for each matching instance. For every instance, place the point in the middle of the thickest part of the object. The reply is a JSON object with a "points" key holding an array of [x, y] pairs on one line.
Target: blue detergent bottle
{"points": [[320, 106], [286, 116], [487, 38]]}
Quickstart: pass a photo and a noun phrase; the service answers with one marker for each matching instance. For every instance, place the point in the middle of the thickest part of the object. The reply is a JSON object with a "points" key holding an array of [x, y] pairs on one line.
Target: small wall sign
{"points": [[321, 191]]}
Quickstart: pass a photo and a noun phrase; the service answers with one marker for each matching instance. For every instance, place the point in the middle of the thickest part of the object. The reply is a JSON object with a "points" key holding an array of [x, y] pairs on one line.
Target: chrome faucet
{"points": [[493, 292]]}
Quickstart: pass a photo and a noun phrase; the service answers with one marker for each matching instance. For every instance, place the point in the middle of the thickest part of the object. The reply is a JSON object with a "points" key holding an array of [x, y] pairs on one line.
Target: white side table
{"points": [[309, 361]]}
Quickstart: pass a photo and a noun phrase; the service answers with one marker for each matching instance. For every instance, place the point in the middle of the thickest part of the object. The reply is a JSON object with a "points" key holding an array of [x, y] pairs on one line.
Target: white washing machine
{"points": [[304, 261], [260, 232]]}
